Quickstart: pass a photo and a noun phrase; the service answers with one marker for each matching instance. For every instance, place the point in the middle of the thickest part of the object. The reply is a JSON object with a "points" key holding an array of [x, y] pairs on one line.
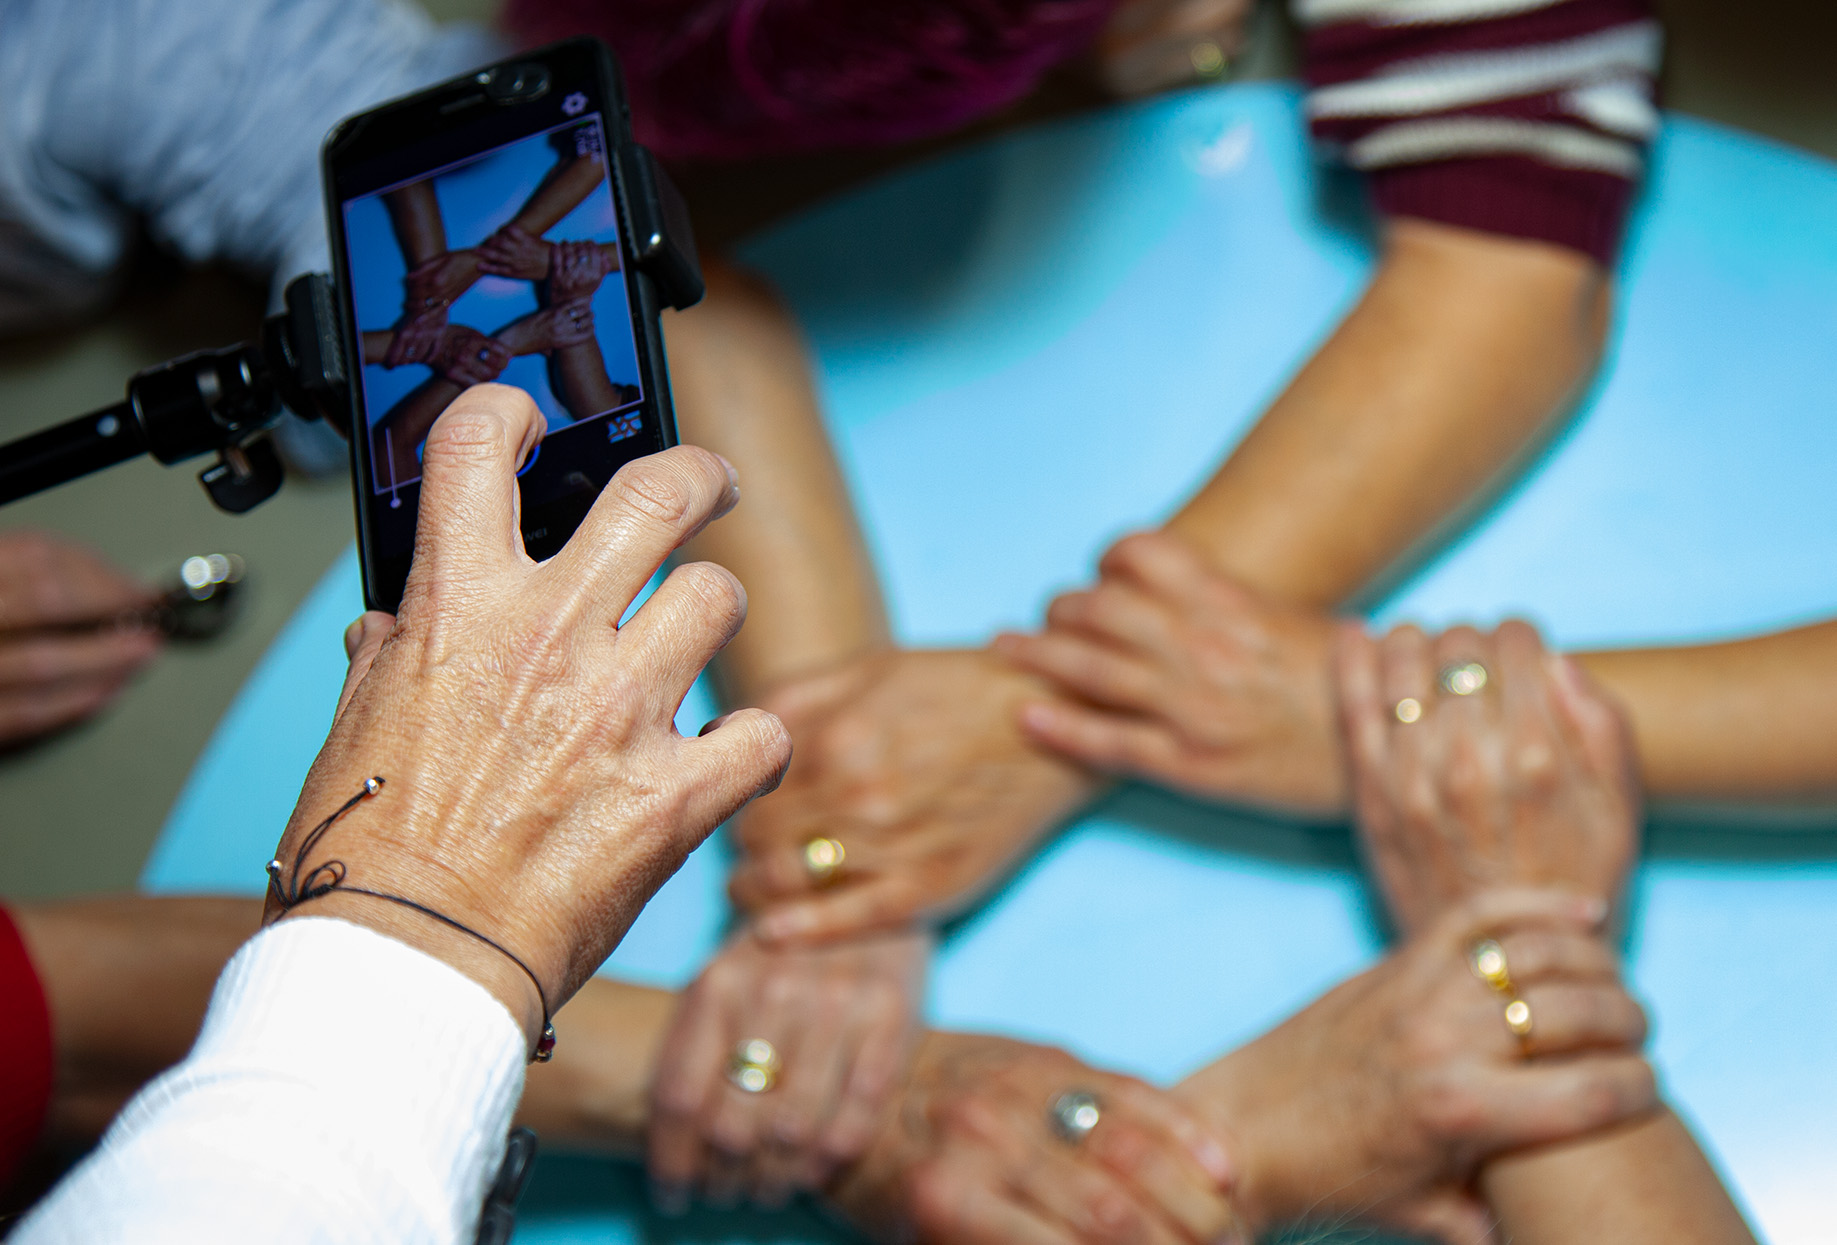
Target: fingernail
{"points": [[353, 636], [669, 1199], [733, 476]]}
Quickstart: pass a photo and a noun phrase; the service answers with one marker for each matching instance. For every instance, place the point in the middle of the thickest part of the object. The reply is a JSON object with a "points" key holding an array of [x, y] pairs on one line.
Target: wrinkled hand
{"points": [[1379, 1100], [843, 1020], [535, 788], [434, 285], [1188, 680], [516, 253], [1152, 45], [578, 269], [52, 678], [1531, 781], [419, 338], [564, 324], [467, 357], [967, 1157], [912, 761]]}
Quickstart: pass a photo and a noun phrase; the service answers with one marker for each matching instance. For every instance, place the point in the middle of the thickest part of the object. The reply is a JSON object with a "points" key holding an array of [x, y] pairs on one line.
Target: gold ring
{"points": [[823, 859], [1207, 59], [1518, 1017], [753, 1067], [1488, 960], [1408, 710], [1463, 678]]}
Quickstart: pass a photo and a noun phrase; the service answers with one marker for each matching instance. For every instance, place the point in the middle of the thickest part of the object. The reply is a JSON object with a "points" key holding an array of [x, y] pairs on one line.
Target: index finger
{"points": [[643, 515], [469, 500]]}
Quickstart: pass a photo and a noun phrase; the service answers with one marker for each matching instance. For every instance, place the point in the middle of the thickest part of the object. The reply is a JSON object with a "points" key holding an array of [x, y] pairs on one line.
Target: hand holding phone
{"points": [[502, 227]]}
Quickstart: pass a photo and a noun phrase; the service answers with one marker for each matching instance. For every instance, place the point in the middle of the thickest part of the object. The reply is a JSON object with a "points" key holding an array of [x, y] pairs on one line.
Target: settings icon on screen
{"points": [[574, 104]]}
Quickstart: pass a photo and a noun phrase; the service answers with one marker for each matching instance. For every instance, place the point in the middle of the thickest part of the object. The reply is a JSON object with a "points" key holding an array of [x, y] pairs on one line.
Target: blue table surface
{"points": [[1054, 337]]}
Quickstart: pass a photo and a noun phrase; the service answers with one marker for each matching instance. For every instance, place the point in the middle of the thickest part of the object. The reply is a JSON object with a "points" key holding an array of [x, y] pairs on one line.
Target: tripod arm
{"points": [[214, 401], [68, 450]]}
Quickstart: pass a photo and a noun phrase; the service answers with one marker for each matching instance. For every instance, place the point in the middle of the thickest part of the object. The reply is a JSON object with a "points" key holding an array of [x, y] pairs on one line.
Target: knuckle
{"points": [[655, 489], [717, 590]]}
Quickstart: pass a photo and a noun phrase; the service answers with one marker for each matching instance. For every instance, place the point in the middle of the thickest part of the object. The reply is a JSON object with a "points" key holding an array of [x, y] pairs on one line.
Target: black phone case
{"points": [[369, 136]]}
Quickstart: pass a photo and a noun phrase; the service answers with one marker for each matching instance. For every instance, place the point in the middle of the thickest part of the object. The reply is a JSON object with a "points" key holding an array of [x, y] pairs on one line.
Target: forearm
{"points": [[414, 212], [1462, 350], [742, 386], [1646, 1181], [559, 195], [578, 374], [595, 1093], [1741, 721], [127, 979]]}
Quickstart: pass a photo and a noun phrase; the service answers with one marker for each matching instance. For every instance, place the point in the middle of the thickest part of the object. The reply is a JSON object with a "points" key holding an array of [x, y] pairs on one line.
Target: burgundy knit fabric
{"points": [[25, 1051], [1501, 191], [725, 79]]}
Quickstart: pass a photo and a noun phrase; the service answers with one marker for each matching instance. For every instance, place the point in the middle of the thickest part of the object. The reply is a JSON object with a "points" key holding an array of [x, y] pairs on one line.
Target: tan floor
{"points": [[79, 812]]}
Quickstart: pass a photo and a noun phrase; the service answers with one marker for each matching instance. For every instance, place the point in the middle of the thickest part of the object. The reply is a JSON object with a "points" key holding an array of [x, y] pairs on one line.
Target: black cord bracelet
{"points": [[329, 876]]}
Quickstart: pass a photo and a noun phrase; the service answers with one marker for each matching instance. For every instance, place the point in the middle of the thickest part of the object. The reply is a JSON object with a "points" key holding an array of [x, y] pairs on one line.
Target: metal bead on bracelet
{"points": [[329, 876]]}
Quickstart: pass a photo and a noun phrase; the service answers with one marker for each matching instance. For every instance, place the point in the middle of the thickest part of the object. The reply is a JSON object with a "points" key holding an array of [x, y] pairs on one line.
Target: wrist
{"points": [[1218, 1095]]}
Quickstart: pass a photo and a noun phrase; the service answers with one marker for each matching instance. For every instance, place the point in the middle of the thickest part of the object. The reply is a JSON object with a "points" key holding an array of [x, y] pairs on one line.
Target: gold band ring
{"points": [[1463, 678], [1488, 961], [823, 859], [1408, 710], [1518, 1017]]}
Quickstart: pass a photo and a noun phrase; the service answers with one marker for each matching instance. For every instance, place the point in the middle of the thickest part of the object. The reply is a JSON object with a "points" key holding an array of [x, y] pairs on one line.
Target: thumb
{"points": [[363, 639]]}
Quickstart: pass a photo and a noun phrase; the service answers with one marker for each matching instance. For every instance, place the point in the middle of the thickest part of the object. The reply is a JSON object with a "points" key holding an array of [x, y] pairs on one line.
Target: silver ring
{"points": [[1073, 1115], [1463, 678]]}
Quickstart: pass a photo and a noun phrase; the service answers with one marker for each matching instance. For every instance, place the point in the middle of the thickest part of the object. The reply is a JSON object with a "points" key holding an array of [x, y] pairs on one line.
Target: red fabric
{"points": [[25, 1050], [1512, 196], [742, 79]]}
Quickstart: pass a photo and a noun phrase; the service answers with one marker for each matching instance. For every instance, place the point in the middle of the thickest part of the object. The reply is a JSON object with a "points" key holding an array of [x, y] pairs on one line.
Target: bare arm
{"points": [[414, 211], [560, 193], [1642, 1182], [742, 389], [1464, 348], [127, 979], [1743, 721]]}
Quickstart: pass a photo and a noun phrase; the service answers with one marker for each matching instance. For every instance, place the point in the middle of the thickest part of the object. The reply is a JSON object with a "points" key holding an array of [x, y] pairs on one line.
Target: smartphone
{"points": [[503, 226]]}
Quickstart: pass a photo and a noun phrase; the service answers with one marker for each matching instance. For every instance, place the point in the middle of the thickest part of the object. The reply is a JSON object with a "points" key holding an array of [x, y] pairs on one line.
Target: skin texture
{"points": [[1443, 818], [1177, 675], [536, 788], [967, 1157], [912, 760], [1378, 1102], [844, 1022], [743, 389], [64, 653], [1482, 789], [1462, 351]]}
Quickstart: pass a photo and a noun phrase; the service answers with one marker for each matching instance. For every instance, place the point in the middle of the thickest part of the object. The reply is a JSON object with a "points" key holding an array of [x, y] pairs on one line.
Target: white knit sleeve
{"points": [[345, 1087]]}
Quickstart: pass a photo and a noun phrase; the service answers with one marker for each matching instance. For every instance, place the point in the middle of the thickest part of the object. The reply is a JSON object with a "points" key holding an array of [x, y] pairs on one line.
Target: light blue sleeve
{"points": [[202, 117]]}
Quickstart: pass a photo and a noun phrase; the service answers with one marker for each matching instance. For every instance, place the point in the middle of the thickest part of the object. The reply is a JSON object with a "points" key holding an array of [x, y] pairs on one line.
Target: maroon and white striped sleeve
{"points": [[1527, 118]]}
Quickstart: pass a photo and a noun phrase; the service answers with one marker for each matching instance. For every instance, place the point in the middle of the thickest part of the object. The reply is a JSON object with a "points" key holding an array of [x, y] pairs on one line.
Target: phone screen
{"points": [[491, 251]]}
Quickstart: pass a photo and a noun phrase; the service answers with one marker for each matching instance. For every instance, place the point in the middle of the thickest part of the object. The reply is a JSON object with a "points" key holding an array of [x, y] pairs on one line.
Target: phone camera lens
{"points": [[517, 84]]}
